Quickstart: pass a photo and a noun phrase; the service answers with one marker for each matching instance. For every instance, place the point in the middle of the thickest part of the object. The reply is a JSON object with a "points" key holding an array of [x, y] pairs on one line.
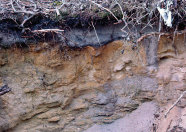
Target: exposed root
{"points": [[96, 33], [175, 103], [27, 19], [159, 34], [47, 30]]}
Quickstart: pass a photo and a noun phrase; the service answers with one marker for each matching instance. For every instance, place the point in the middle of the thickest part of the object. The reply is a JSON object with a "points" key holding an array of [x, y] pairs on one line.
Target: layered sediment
{"points": [[64, 89]]}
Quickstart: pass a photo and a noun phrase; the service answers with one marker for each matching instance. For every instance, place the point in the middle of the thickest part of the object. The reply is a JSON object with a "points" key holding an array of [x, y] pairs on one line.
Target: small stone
{"points": [[178, 77], [54, 119], [152, 69], [183, 70], [79, 104], [119, 66], [3, 60], [29, 90], [101, 99], [126, 60], [128, 68]]}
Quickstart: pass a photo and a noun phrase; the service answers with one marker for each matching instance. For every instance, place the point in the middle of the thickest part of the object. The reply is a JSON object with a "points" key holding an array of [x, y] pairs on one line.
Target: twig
{"points": [[12, 4], [105, 9], [120, 9], [47, 30], [57, 9], [22, 10], [27, 19], [61, 4], [174, 103], [123, 18]]}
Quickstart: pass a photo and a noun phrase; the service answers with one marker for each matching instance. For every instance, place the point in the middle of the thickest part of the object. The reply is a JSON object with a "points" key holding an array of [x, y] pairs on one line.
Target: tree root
{"points": [[174, 104]]}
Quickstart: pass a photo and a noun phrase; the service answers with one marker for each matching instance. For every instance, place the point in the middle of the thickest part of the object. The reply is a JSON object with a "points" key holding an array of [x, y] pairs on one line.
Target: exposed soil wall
{"points": [[70, 90]]}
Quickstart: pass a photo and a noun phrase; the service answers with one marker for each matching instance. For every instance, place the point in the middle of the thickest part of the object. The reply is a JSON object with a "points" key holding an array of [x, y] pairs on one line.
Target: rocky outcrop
{"points": [[69, 90]]}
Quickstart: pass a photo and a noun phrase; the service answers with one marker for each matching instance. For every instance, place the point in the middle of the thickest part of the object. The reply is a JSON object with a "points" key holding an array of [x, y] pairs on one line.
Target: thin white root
{"points": [[57, 12], [96, 33], [47, 30], [174, 104]]}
